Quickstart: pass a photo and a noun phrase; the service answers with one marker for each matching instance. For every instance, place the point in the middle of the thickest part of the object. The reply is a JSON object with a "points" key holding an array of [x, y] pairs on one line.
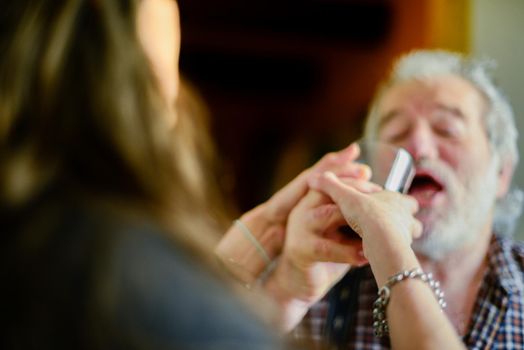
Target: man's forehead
{"points": [[452, 94]]}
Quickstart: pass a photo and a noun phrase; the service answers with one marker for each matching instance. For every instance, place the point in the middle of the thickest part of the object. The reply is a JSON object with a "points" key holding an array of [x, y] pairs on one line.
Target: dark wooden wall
{"points": [[288, 80]]}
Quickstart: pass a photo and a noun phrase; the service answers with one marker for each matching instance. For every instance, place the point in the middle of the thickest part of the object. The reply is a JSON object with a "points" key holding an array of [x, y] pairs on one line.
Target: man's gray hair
{"points": [[498, 120]]}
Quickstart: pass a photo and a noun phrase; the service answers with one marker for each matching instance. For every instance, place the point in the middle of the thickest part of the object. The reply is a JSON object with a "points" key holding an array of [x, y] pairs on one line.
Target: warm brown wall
{"points": [[288, 80]]}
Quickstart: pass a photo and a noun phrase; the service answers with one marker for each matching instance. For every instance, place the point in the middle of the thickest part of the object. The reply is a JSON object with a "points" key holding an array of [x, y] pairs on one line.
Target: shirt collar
{"points": [[503, 267]]}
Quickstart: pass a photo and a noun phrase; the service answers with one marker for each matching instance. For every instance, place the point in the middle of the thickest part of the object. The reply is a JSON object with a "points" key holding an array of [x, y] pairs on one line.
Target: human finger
{"points": [[417, 229], [281, 203], [316, 213], [333, 187], [343, 164], [412, 204], [324, 218], [361, 185], [327, 250]]}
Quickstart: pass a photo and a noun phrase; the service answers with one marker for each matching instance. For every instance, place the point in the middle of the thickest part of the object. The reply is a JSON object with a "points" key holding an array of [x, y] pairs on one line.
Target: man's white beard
{"points": [[470, 206]]}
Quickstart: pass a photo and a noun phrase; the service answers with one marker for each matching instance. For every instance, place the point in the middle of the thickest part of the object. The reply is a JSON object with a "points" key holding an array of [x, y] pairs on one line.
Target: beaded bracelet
{"points": [[380, 324]]}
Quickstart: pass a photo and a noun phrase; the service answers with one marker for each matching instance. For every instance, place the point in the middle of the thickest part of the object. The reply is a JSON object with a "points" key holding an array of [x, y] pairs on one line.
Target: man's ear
{"points": [[505, 176]]}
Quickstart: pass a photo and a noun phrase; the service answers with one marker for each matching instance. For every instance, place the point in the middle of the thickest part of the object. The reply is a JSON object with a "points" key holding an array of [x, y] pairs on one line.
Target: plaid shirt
{"points": [[497, 320]]}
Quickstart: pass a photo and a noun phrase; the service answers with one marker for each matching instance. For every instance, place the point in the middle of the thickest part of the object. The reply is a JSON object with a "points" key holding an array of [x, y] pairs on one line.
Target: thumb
{"points": [[329, 184]]}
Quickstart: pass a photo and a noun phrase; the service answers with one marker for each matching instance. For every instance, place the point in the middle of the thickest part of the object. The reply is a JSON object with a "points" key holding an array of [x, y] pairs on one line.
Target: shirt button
{"points": [[338, 322]]}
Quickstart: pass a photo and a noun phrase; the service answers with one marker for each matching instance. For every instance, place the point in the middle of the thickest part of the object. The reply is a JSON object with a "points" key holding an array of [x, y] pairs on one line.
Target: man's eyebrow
{"points": [[454, 111], [387, 118]]}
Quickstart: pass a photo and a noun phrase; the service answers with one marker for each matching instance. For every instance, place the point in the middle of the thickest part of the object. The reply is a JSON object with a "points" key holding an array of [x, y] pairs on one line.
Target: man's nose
{"points": [[421, 143]]}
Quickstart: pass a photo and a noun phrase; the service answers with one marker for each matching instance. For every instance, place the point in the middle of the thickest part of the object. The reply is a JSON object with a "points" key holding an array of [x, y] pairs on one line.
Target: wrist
{"points": [[268, 232], [291, 281], [250, 245], [281, 285], [380, 323], [387, 258]]}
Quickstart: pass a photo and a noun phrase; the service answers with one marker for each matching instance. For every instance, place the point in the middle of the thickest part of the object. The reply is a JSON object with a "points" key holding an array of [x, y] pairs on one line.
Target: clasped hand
{"points": [[300, 225]]}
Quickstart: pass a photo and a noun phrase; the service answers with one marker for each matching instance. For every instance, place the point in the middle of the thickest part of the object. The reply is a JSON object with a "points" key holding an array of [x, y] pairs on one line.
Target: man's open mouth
{"points": [[425, 186]]}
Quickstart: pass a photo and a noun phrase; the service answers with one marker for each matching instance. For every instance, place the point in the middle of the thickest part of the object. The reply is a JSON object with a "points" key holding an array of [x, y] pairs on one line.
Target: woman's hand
{"points": [[384, 220], [267, 222]]}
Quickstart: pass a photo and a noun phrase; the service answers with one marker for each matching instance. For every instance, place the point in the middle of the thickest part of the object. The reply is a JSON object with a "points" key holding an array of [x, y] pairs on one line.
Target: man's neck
{"points": [[460, 275], [459, 266]]}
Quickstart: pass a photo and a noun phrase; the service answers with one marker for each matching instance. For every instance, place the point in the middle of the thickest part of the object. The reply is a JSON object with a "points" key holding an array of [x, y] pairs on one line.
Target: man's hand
{"points": [[316, 254]]}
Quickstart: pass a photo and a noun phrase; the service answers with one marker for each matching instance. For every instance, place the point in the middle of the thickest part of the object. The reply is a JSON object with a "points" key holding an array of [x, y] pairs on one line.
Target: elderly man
{"points": [[445, 110]]}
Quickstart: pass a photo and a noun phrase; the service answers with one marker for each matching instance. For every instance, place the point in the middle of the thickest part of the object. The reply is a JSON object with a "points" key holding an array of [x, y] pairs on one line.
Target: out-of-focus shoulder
{"points": [[163, 295]]}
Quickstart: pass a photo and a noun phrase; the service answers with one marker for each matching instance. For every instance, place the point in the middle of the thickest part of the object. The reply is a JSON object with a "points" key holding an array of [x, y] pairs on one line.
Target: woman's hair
{"points": [[196, 155], [499, 121], [80, 110]]}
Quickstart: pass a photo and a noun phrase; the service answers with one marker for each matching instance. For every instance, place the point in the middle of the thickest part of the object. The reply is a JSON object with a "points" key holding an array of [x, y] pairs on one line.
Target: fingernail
{"points": [[331, 175], [362, 172]]}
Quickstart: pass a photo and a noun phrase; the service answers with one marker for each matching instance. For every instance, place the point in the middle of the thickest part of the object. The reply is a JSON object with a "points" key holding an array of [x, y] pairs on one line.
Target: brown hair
{"points": [[80, 108]]}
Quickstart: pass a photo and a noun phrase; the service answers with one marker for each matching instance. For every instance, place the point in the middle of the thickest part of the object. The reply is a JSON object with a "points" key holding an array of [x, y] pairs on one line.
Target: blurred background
{"points": [[285, 81]]}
